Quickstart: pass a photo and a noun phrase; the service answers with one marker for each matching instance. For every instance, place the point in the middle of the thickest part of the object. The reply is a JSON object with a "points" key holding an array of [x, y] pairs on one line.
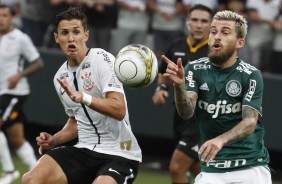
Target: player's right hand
{"points": [[45, 141], [175, 72], [159, 97]]}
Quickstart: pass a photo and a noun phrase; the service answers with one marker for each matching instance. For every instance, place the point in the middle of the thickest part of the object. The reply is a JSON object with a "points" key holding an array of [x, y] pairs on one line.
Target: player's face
{"points": [[5, 20], [198, 24], [223, 41], [71, 37]]}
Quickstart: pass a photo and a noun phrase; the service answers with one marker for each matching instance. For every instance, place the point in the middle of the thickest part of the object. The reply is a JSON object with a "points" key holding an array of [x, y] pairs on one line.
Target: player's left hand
{"points": [[13, 81], [74, 95], [210, 148]]}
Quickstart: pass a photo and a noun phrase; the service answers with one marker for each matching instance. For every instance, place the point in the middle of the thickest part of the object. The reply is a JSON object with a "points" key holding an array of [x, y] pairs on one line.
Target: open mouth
{"points": [[71, 47], [216, 46]]}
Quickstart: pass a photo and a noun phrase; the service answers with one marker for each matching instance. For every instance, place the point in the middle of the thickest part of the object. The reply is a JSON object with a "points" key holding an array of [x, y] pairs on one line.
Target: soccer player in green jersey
{"points": [[225, 93]]}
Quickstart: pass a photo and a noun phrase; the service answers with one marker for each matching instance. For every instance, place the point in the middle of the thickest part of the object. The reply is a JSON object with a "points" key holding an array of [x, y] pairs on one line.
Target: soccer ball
{"points": [[136, 66]]}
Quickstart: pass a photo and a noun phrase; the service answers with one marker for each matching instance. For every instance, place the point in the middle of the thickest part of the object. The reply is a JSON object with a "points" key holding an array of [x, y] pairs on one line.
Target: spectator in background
{"points": [[132, 23], [188, 48], [212, 4], [15, 48], [167, 23], [276, 56], [36, 16], [101, 17], [262, 15]]}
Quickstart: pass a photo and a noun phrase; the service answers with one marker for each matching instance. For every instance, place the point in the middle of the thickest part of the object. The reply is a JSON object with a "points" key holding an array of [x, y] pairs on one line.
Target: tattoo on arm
{"points": [[244, 128], [185, 103]]}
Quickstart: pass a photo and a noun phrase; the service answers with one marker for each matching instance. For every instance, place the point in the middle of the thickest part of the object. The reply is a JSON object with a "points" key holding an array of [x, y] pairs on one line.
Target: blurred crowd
{"points": [[116, 23]]}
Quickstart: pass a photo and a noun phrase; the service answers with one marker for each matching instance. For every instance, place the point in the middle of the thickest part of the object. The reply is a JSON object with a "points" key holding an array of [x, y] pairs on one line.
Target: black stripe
{"points": [[85, 110]]}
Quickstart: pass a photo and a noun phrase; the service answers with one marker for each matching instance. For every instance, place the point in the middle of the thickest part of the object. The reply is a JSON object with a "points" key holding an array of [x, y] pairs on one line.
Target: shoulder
{"points": [[246, 68], [62, 71], [19, 34], [101, 55]]}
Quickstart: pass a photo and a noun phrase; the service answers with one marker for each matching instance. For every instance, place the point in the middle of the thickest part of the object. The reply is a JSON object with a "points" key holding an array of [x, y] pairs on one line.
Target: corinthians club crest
{"points": [[88, 84], [233, 88]]}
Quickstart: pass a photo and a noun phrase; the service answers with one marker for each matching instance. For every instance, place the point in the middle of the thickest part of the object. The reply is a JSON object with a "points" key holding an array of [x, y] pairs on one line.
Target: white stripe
{"points": [[9, 109]]}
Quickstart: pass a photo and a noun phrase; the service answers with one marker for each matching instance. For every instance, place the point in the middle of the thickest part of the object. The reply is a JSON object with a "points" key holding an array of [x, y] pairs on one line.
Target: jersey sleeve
{"points": [[107, 77], [254, 93], [28, 49], [190, 78]]}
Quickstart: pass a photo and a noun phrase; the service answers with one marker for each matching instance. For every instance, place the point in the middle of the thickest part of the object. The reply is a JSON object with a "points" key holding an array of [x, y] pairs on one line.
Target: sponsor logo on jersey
{"points": [[201, 67], [113, 82], [190, 80], [204, 87], [221, 107], [245, 67], [88, 84], [226, 163], [64, 75], [233, 88], [125, 145], [251, 90], [86, 65]]}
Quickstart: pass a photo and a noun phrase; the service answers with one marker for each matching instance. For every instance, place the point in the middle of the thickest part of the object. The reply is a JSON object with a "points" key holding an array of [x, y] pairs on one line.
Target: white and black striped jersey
{"points": [[15, 48], [98, 132]]}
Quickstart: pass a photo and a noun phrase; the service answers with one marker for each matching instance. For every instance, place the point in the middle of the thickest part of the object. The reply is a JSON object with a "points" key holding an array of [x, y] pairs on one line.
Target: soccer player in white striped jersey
{"points": [[15, 48], [94, 100]]}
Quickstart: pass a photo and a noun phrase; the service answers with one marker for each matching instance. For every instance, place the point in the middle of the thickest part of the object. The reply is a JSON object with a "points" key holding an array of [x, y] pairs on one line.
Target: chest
{"points": [[214, 86]]}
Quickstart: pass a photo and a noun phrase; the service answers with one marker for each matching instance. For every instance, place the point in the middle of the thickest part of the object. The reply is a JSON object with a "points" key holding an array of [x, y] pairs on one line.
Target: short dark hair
{"points": [[201, 7], [12, 10], [70, 14]]}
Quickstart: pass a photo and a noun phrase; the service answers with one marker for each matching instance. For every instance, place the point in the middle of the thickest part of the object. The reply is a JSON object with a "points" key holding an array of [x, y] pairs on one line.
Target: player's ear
{"points": [[86, 35], [240, 43], [56, 37]]}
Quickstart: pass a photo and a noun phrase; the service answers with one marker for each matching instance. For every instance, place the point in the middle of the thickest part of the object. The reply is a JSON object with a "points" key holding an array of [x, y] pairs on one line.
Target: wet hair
{"points": [[200, 7], [12, 10], [241, 26], [70, 14]]}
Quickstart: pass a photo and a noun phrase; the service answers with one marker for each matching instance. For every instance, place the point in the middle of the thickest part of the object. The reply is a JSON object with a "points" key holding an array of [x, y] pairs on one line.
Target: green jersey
{"points": [[221, 95]]}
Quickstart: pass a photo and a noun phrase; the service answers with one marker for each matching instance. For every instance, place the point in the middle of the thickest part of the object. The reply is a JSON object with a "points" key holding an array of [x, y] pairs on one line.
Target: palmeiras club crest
{"points": [[88, 84]]}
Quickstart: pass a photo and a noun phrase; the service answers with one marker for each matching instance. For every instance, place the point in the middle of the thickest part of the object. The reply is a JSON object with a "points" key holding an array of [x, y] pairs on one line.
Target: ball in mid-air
{"points": [[136, 66]]}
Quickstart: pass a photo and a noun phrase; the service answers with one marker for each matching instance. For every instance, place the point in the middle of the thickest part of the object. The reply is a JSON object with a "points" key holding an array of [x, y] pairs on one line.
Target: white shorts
{"points": [[253, 175]]}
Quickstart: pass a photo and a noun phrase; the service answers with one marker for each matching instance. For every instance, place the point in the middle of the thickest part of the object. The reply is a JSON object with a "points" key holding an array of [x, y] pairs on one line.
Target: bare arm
{"points": [[68, 133], [34, 67], [185, 102], [243, 129], [112, 105], [246, 127]]}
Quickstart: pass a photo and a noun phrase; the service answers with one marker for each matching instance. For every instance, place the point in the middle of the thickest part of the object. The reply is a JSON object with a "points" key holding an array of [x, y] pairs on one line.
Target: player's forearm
{"points": [[68, 133], [33, 67], [245, 128], [184, 104]]}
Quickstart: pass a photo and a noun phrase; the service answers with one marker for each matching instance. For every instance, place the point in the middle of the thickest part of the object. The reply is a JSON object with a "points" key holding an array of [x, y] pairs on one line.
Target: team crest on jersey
{"points": [[233, 88], [88, 84]]}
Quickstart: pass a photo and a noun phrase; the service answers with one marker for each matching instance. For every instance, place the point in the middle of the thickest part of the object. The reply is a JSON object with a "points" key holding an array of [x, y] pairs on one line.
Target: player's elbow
{"points": [[120, 114]]}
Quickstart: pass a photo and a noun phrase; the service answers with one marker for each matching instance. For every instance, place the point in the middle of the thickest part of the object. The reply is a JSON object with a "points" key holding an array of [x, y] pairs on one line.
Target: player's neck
{"points": [[76, 60], [6, 31]]}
